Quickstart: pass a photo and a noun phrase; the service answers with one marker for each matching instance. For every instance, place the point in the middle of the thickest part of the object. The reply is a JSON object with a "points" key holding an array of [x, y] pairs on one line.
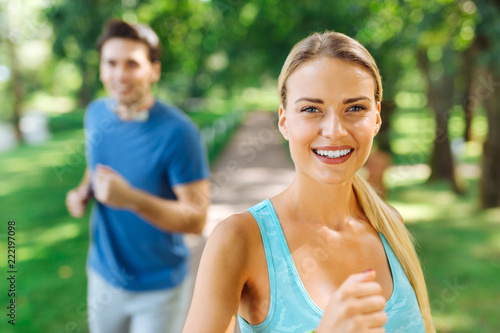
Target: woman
{"points": [[293, 263]]}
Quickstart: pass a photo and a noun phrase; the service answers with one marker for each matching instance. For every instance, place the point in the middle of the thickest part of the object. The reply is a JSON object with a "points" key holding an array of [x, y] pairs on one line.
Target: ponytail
{"points": [[385, 220]]}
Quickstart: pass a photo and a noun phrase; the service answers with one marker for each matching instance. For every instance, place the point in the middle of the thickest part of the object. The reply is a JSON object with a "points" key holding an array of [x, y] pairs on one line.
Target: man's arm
{"points": [[78, 198], [186, 214]]}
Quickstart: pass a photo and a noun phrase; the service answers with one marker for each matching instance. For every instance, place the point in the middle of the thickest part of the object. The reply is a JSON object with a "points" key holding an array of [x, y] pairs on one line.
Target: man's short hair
{"points": [[139, 32]]}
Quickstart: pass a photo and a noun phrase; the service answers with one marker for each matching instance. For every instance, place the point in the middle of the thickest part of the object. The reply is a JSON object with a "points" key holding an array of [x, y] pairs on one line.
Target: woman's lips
{"points": [[335, 155]]}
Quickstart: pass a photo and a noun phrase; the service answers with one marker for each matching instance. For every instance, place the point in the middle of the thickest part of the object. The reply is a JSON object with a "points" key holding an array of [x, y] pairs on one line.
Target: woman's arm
{"points": [[221, 277]]}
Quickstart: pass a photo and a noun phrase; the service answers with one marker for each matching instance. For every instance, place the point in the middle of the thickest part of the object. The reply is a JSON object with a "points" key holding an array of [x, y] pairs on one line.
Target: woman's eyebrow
{"points": [[310, 99], [355, 99]]}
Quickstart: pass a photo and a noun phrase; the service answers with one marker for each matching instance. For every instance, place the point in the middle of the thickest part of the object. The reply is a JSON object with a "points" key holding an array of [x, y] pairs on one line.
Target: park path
{"points": [[254, 166]]}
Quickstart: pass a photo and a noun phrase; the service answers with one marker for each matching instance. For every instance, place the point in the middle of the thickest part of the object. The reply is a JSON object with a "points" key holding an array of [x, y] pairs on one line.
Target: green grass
{"points": [[459, 245], [50, 246]]}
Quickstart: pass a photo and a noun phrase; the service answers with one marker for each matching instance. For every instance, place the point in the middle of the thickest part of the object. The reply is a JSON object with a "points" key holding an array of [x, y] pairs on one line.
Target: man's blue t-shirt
{"points": [[153, 155]]}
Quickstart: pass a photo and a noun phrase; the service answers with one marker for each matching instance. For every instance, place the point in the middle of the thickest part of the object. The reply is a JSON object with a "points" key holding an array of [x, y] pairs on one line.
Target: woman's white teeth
{"points": [[333, 153]]}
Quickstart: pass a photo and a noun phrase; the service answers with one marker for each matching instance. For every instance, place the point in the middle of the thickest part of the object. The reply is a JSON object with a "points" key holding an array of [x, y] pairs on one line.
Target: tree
{"points": [[16, 87], [488, 30], [440, 96], [19, 24], [76, 26], [440, 44]]}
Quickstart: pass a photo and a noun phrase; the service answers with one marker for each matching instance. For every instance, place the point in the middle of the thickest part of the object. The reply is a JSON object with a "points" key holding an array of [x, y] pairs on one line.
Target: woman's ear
{"points": [[378, 121], [282, 123]]}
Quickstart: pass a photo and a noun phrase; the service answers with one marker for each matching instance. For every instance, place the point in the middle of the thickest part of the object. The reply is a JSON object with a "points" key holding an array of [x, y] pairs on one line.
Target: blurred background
{"points": [[439, 147]]}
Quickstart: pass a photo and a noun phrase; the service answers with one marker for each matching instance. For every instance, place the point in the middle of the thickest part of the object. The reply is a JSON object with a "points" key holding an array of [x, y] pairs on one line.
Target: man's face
{"points": [[126, 71]]}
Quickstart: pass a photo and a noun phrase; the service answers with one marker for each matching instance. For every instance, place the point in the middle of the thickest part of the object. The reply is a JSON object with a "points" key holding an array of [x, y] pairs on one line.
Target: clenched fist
{"points": [[357, 306], [111, 189], [77, 200]]}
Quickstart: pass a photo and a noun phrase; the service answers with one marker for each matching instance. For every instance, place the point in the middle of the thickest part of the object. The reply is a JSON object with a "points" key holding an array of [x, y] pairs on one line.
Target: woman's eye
{"points": [[357, 108], [310, 109]]}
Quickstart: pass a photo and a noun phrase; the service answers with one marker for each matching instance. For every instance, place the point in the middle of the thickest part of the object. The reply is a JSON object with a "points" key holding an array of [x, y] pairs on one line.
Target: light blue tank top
{"points": [[292, 310]]}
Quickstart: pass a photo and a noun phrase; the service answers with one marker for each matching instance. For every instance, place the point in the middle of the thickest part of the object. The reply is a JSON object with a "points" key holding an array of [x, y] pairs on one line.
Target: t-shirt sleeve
{"points": [[188, 159]]}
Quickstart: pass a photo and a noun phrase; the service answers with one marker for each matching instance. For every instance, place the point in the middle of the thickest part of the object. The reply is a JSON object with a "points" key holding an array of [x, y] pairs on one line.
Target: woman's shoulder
{"points": [[233, 246], [237, 236], [239, 230], [224, 270]]}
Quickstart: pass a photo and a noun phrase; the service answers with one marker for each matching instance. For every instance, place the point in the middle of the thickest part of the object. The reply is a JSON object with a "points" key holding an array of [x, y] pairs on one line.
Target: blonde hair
{"points": [[330, 44], [382, 217]]}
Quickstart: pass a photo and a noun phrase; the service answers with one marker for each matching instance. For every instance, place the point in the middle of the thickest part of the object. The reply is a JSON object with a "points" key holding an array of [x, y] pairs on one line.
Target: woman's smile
{"points": [[333, 155]]}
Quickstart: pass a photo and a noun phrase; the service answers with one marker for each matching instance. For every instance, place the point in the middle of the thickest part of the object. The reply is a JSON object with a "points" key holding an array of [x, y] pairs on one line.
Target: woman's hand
{"points": [[357, 306]]}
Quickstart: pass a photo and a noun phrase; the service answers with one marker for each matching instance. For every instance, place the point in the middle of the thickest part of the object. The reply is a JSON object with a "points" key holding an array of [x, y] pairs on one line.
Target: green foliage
{"points": [[489, 29], [229, 45]]}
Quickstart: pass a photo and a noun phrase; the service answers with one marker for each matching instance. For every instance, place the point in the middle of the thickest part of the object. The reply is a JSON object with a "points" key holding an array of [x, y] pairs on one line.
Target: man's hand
{"points": [[111, 189], [77, 200], [186, 214]]}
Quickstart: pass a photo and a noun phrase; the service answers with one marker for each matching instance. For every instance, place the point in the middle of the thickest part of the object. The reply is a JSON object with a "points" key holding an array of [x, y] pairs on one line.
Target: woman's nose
{"points": [[333, 127]]}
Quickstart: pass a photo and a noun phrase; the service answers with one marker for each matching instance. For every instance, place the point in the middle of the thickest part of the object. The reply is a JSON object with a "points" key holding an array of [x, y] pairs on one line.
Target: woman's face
{"points": [[330, 118]]}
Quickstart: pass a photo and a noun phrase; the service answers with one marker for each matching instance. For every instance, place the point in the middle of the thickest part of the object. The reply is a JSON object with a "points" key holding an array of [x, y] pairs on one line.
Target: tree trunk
{"points": [[17, 89], [468, 101], [490, 181], [440, 95], [86, 89], [383, 139], [441, 99]]}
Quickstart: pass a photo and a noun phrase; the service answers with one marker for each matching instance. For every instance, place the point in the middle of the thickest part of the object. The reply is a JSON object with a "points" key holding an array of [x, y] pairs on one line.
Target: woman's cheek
{"points": [[303, 128]]}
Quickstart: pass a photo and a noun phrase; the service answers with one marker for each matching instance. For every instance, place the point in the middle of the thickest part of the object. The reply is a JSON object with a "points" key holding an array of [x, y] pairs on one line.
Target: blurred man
{"points": [[147, 171]]}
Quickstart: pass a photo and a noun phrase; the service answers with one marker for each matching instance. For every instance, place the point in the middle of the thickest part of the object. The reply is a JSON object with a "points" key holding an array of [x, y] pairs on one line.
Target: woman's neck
{"points": [[330, 205]]}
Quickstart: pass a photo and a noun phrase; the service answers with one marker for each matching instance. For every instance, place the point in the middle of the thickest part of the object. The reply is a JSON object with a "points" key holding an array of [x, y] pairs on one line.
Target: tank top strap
{"points": [[264, 218], [402, 307], [287, 301], [396, 271]]}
